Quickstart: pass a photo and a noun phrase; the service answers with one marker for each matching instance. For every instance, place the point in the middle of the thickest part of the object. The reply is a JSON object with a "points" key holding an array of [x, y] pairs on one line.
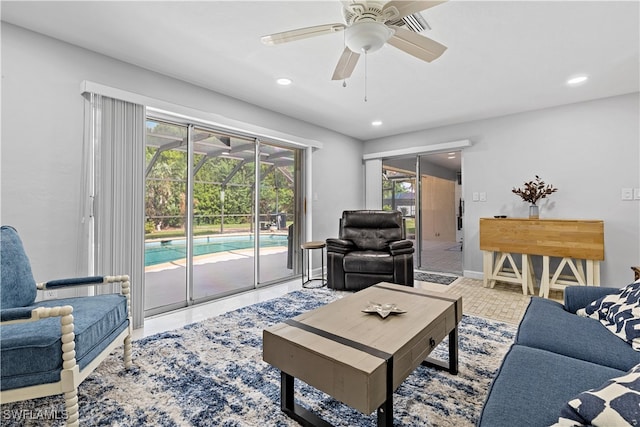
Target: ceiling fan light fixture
{"points": [[367, 36]]}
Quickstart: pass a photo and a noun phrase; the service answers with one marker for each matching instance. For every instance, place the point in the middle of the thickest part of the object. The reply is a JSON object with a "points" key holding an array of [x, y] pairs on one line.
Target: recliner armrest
{"points": [[577, 297], [340, 245], [400, 247]]}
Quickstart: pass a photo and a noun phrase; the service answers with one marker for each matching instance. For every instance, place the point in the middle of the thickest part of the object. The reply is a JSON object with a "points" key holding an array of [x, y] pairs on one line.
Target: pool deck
{"points": [[229, 234], [214, 275], [215, 257]]}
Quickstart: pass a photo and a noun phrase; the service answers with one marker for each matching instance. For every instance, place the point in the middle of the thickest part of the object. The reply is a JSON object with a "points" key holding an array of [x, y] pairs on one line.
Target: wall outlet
{"points": [[49, 294]]}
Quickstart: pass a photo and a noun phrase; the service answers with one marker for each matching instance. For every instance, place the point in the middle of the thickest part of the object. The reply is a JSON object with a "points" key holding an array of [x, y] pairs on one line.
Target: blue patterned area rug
{"points": [[212, 374]]}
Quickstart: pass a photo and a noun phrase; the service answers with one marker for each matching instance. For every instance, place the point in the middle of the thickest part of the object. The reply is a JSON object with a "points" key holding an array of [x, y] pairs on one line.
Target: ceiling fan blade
{"points": [[414, 44], [346, 64], [301, 33], [406, 8]]}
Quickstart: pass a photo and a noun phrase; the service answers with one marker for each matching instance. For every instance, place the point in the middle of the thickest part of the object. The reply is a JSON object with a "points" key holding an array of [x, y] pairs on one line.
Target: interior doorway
{"points": [[432, 205]]}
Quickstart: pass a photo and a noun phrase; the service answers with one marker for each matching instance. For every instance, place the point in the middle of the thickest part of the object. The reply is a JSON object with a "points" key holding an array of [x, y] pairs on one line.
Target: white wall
{"points": [[373, 184], [589, 151], [42, 138]]}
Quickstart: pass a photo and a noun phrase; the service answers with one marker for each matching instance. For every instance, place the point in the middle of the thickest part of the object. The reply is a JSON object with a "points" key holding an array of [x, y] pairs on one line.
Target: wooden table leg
{"points": [[593, 272], [544, 280], [487, 267], [525, 274]]}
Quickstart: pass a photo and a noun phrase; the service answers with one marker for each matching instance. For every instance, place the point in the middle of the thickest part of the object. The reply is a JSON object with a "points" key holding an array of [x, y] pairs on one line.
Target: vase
{"points": [[534, 212]]}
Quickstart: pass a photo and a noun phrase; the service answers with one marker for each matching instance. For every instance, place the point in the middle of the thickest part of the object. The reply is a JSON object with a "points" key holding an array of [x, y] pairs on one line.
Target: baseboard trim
{"points": [[473, 274]]}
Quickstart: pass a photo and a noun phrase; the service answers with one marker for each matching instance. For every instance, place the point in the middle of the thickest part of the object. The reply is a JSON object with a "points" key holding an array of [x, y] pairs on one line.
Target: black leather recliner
{"points": [[371, 248]]}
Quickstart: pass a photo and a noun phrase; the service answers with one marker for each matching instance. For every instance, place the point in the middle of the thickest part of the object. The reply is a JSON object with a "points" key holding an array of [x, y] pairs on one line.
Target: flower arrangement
{"points": [[534, 190]]}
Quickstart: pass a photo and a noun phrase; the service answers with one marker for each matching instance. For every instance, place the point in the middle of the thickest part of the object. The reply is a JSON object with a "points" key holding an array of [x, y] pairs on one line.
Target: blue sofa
{"points": [[557, 355]]}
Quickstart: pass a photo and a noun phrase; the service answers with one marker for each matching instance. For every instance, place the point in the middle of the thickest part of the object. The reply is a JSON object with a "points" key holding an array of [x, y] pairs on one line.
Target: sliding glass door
{"points": [[210, 211], [432, 206], [223, 205], [279, 190], [399, 194], [166, 214]]}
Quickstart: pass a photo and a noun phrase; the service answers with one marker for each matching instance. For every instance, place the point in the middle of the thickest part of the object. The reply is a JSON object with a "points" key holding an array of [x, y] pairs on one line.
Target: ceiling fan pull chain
{"points": [[365, 76], [344, 45]]}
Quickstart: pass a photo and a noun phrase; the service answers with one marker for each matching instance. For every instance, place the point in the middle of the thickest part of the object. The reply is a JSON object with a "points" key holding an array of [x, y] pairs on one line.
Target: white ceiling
{"points": [[503, 57]]}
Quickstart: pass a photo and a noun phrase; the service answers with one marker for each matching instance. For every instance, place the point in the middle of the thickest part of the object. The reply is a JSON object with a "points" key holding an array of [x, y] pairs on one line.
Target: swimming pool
{"points": [[158, 252]]}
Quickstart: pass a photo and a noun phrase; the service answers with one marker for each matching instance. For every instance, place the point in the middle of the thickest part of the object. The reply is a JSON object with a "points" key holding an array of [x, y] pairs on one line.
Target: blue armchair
{"points": [[50, 347]]}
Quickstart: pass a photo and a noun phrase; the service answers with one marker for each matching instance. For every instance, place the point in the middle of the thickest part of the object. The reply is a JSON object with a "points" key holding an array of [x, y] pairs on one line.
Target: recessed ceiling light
{"points": [[577, 80], [376, 123], [284, 81], [452, 154], [451, 157]]}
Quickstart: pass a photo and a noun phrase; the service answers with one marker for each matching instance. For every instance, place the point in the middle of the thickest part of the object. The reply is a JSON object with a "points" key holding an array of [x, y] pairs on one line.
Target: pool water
{"points": [[158, 252]]}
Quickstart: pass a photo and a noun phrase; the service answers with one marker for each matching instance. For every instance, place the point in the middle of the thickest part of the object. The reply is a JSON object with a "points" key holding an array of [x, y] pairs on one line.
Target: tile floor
{"points": [[504, 302], [441, 256]]}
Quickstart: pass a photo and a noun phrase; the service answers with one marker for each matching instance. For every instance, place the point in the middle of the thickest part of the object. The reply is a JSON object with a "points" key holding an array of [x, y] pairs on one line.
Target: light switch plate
{"points": [[483, 196], [627, 194], [636, 193], [476, 197]]}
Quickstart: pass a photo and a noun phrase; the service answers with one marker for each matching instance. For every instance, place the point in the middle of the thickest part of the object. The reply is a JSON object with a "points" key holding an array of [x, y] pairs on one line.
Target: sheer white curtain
{"points": [[113, 217]]}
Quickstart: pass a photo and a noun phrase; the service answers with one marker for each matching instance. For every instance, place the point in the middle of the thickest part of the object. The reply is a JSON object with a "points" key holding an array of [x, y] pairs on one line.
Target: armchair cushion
{"points": [[372, 262], [17, 286], [31, 351]]}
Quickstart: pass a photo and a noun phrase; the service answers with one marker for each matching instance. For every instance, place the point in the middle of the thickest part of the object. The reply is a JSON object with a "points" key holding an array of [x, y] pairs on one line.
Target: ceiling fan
{"points": [[369, 25]]}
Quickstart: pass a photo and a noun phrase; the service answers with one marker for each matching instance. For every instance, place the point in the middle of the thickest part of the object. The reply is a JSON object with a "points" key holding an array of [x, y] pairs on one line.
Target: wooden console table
{"points": [[575, 241]]}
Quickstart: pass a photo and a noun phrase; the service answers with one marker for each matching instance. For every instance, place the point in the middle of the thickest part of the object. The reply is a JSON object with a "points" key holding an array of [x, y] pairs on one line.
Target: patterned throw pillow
{"points": [[615, 403], [619, 313]]}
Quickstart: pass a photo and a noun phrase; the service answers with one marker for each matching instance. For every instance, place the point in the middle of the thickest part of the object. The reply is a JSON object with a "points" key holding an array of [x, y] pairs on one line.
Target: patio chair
{"points": [[50, 347]]}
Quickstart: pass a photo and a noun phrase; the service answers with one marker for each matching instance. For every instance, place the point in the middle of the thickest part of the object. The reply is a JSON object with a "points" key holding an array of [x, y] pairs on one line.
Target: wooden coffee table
{"points": [[359, 358]]}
